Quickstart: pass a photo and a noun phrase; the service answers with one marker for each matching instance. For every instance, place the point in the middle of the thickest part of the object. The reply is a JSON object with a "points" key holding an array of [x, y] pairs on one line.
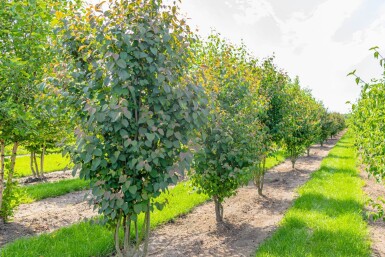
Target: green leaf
{"points": [[121, 63], [133, 189]]}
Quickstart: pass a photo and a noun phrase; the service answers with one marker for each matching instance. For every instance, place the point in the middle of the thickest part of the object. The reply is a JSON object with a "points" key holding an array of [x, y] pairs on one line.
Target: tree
{"points": [[24, 52], [300, 121], [231, 140], [125, 73], [272, 87]]}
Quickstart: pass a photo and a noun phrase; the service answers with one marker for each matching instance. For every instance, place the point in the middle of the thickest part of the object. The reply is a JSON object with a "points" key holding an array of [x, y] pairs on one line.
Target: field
{"points": [[135, 128]]}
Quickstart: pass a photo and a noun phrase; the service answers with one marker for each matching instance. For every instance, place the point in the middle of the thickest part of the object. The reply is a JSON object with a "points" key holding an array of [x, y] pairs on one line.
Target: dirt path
{"points": [[46, 215], [250, 219], [48, 177], [377, 229]]}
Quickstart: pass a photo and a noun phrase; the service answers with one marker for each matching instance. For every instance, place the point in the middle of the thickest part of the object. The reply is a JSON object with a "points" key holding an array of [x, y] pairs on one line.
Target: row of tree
{"points": [[148, 98], [367, 123]]}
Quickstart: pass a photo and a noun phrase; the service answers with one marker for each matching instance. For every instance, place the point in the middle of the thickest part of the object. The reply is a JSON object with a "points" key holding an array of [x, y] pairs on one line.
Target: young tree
{"points": [[272, 87], [24, 52], [125, 73], [300, 121], [231, 140]]}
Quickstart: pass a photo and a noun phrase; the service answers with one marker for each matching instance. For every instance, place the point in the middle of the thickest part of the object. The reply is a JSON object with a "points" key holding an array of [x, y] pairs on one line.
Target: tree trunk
{"points": [[31, 164], [322, 143], [218, 210], [36, 165], [308, 152], [292, 163], [42, 162], [13, 161], [116, 237], [147, 231], [2, 166]]}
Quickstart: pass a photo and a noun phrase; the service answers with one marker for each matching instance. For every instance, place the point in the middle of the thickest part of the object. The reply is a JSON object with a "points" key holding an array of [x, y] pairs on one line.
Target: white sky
{"points": [[318, 40]]}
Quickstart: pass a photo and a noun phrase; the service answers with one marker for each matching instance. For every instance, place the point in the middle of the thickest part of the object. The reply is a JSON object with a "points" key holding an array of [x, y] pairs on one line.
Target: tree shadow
{"points": [[12, 231]]}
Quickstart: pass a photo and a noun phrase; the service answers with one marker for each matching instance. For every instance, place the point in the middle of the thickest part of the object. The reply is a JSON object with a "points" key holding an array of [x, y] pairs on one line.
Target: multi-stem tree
{"points": [[125, 73], [231, 140]]}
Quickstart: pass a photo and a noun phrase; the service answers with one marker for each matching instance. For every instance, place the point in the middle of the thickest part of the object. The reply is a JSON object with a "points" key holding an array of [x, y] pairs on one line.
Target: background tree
{"points": [[125, 73], [24, 43], [231, 140]]}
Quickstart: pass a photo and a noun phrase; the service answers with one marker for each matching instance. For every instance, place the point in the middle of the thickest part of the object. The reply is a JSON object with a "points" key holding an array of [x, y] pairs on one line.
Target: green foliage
{"points": [[301, 120], [11, 199], [326, 218], [367, 123], [136, 104], [232, 139]]}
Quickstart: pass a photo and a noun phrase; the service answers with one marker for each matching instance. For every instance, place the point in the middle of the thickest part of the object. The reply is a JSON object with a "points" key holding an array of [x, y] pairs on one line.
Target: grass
{"points": [[45, 190], [86, 239], [326, 218], [52, 162]]}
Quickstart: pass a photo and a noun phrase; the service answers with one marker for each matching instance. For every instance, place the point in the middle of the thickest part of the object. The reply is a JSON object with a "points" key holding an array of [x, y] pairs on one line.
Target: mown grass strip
{"points": [[45, 190], [53, 162], [326, 219], [86, 239]]}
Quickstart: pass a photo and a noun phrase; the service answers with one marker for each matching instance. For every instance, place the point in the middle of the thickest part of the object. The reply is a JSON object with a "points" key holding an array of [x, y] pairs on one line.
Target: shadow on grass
{"points": [[325, 205], [296, 238]]}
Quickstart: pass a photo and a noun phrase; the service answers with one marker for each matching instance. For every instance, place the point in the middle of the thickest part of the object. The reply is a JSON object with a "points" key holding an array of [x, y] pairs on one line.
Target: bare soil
{"points": [[48, 177], [249, 218], [377, 228], [47, 215]]}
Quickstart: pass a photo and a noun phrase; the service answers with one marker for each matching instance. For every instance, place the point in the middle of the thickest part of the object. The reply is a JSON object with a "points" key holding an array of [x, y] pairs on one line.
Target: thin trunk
{"points": [[262, 177], [147, 232], [2, 156], [308, 152], [116, 237], [31, 164], [13, 161], [292, 163], [36, 165], [42, 161], [127, 229], [322, 143], [218, 210]]}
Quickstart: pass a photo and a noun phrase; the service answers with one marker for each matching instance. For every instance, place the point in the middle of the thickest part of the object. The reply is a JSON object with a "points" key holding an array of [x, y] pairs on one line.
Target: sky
{"points": [[320, 41]]}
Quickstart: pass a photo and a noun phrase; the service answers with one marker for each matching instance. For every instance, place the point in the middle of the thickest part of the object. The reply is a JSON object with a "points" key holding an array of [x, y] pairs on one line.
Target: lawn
{"points": [[326, 219], [52, 162]]}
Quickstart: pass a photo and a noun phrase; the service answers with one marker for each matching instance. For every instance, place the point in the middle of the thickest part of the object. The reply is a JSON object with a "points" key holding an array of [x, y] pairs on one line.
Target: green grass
{"points": [[85, 239], [20, 150], [45, 190], [326, 219], [52, 162]]}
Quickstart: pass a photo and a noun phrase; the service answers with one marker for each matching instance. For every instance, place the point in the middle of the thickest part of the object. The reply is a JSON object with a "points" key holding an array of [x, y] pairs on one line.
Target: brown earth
{"points": [[376, 228], [46, 215], [249, 218], [48, 177]]}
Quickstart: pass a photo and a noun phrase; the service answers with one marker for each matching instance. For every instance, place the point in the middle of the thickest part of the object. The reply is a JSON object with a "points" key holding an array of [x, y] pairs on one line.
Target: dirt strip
{"points": [[48, 177], [46, 215], [249, 218], [377, 228]]}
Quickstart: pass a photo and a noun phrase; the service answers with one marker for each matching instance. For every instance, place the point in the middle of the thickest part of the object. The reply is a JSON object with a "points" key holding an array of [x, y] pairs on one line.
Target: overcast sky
{"points": [[318, 40]]}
